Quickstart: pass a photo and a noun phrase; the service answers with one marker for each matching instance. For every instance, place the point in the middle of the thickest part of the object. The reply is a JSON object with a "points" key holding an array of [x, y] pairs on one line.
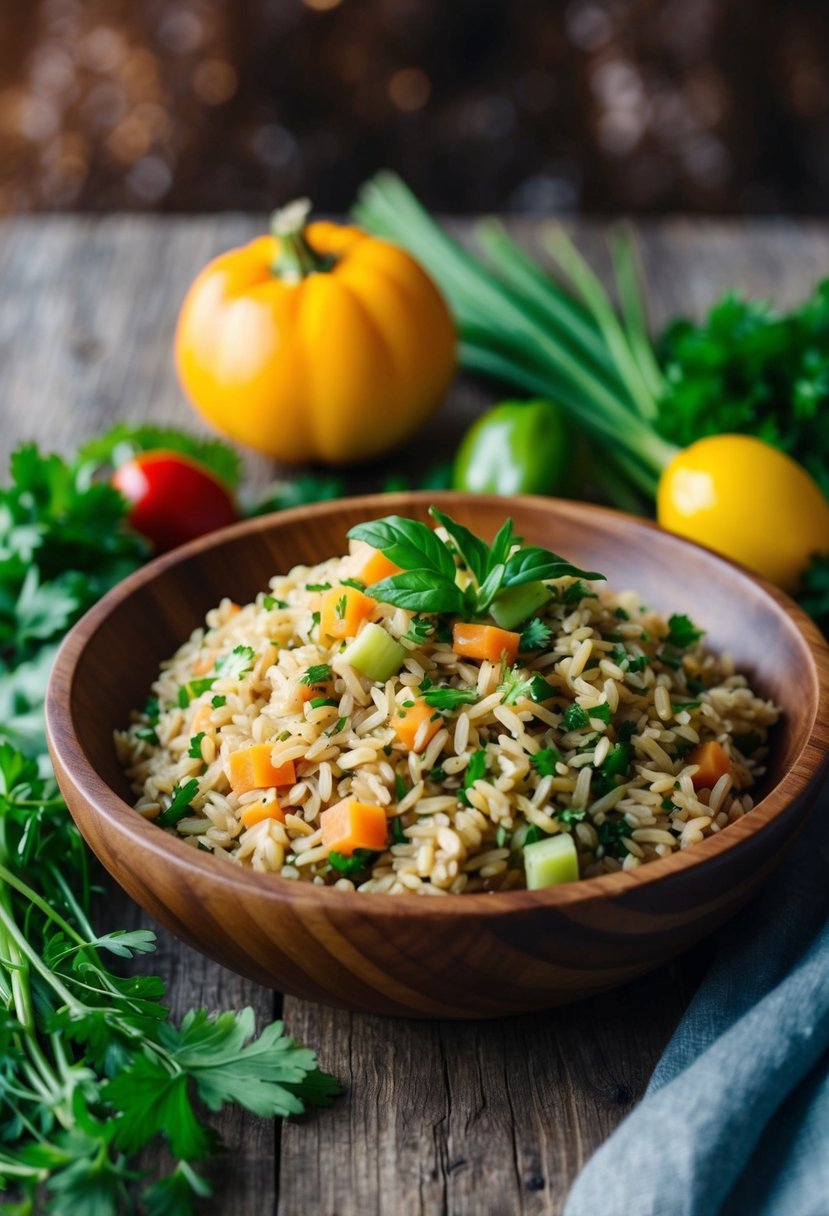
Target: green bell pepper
{"points": [[517, 447]]}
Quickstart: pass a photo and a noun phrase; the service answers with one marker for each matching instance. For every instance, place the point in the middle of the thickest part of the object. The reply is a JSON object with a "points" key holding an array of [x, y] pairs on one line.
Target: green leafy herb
{"points": [[398, 834], [450, 698], [575, 718], [420, 630], [270, 602], [611, 833], [353, 582], [399, 787], [500, 836], [124, 441], [620, 614], [183, 796], [544, 761], [532, 835], [534, 636], [534, 687], [625, 731], [318, 702], [577, 592], [437, 774], [337, 727], [237, 664], [348, 867], [218, 701], [603, 713], [194, 750], [618, 760], [320, 673], [475, 771], [568, 815], [147, 733], [317, 586], [427, 583], [682, 632], [341, 606]]}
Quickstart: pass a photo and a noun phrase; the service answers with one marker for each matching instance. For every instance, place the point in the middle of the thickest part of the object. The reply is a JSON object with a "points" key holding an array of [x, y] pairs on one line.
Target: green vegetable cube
{"points": [[512, 606], [374, 654], [550, 862]]}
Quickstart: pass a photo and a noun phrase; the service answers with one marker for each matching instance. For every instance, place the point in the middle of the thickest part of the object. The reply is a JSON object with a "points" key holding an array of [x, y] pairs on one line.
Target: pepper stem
{"points": [[296, 259]]}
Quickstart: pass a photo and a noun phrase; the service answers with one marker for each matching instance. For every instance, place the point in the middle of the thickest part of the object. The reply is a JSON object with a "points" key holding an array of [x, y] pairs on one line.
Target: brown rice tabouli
{"points": [[436, 715]]}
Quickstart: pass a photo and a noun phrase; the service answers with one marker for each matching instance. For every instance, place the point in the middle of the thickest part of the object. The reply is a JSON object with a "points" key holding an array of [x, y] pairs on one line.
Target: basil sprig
{"points": [[426, 582]]}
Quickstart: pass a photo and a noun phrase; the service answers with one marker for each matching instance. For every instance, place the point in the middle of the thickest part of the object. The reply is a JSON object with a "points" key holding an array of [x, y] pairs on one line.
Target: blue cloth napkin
{"points": [[735, 1121]]}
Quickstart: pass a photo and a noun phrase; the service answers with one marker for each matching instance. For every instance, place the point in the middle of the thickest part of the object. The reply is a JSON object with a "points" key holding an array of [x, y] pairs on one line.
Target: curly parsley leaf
{"points": [[320, 673], [682, 632], [534, 636], [237, 664], [515, 686]]}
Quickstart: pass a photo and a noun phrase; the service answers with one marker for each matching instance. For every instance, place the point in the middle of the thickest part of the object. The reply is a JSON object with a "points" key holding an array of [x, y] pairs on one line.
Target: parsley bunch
{"points": [[91, 1067], [428, 582]]}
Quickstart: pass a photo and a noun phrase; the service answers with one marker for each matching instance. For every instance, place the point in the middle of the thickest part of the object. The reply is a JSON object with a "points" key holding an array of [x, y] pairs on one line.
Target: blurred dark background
{"points": [[515, 105]]}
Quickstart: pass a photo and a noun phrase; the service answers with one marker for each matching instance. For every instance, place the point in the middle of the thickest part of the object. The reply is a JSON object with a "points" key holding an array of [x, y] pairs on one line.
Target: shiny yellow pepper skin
{"points": [[316, 343], [749, 501]]}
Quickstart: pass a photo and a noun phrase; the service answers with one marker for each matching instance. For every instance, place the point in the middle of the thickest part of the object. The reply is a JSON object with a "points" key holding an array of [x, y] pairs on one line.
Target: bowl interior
{"points": [[167, 600]]}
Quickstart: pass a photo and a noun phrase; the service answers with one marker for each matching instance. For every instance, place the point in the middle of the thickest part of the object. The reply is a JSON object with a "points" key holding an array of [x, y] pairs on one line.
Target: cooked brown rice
{"points": [[601, 656]]}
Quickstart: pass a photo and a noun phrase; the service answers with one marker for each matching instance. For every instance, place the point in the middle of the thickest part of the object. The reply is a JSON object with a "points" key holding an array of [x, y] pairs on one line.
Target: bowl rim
{"points": [[73, 765]]}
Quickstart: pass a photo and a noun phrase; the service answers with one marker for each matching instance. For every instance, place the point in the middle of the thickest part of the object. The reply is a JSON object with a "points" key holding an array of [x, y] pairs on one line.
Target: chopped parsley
{"points": [[237, 664], [152, 711], [621, 615], [318, 702], [270, 602], [533, 834], [680, 705], [183, 796], [682, 632], [577, 592], [317, 586], [535, 635], [420, 630], [568, 815], [399, 787], [515, 686], [147, 733], [318, 674], [618, 760], [353, 582], [194, 750], [437, 774], [218, 701], [575, 718], [611, 834], [337, 727], [545, 761], [359, 860], [475, 770], [398, 835], [341, 606]]}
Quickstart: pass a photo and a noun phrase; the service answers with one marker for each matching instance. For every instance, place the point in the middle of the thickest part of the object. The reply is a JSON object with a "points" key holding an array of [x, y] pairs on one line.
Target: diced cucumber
{"points": [[550, 862], [374, 653], [514, 605]]}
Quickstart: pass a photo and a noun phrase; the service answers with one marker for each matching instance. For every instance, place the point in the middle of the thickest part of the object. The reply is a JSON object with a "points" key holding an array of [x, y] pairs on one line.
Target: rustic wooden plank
{"points": [[474, 1118]]}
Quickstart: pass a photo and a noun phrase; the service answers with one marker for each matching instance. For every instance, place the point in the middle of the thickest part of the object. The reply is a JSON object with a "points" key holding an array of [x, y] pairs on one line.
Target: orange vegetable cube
{"points": [[255, 812], [342, 612], [408, 720], [473, 641], [351, 825], [376, 568], [251, 769], [713, 763]]}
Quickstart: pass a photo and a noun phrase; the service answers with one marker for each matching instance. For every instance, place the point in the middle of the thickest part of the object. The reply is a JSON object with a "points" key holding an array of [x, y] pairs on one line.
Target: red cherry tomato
{"points": [[174, 499]]}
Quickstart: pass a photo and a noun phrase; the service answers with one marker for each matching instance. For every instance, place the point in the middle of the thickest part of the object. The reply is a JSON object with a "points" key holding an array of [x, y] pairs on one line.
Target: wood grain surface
{"points": [[436, 1117]]}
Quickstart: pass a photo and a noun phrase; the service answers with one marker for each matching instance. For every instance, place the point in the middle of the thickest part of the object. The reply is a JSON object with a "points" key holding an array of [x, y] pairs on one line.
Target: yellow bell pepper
{"points": [[315, 343], [749, 501]]}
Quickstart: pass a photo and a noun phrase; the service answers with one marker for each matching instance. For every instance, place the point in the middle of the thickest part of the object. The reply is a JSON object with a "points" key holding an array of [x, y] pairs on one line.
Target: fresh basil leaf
{"points": [[529, 565], [408, 543], [492, 585], [505, 539], [472, 549], [420, 591]]}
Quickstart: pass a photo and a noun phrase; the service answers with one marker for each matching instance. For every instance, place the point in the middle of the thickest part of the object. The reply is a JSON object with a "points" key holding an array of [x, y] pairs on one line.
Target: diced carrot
{"points": [[201, 718], [342, 612], [351, 825], [408, 720], [204, 663], [255, 812], [713, 763], [376, 568], [474, 641], [251, 769]]}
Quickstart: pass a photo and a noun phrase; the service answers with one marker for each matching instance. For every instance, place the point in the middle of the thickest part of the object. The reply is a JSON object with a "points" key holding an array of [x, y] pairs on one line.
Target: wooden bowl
{"points": [[465, 955]]}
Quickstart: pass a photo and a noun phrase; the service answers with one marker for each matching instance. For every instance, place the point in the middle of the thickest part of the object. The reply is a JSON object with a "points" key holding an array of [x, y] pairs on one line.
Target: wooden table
{"points": [[467, 1119]]}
